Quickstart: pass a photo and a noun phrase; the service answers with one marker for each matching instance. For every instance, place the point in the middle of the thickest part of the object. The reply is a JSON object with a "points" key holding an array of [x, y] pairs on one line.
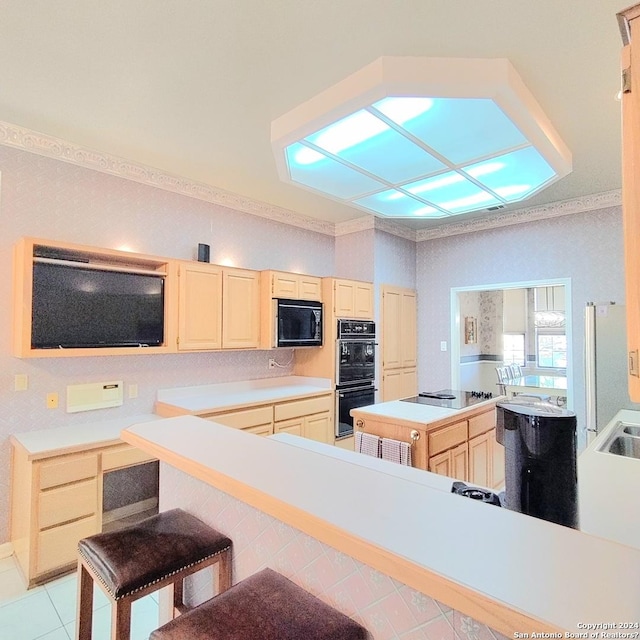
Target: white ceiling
{"points": [[191, 86]]}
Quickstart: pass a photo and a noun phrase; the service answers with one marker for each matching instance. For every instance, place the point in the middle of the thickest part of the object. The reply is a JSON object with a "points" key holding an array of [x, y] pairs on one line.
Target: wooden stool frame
{"points": [[121, 608]]}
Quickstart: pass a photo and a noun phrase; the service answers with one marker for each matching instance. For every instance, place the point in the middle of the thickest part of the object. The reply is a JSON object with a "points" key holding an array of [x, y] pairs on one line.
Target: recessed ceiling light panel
{"points": [[422, 137]]}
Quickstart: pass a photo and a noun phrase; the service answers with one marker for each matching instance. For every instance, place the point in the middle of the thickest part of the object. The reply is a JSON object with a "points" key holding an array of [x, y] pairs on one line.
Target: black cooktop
{"points": [[450, 398]]}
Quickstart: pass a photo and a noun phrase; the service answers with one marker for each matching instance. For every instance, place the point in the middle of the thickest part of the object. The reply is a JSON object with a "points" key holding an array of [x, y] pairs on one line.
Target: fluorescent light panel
{"points": [[420, 157]]}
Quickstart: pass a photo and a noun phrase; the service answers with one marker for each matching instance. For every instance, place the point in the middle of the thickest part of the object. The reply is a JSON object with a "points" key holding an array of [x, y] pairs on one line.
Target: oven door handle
{"points": [[341, 395]]}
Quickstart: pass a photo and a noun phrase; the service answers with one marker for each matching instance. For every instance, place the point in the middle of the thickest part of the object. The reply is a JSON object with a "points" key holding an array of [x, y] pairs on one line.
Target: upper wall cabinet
{"points": [[76, 300], [200, 306], [296, 286], [352, 299], [629, 20], [219, 307], [240, 309], [514, 311]]}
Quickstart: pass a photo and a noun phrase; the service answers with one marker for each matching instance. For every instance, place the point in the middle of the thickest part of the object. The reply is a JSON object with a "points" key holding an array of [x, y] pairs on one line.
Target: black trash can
{"points": [[541, 477]]}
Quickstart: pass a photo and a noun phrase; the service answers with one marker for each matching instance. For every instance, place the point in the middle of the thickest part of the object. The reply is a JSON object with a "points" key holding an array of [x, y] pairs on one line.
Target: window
{"points": [[552, 350], [513, 348]]}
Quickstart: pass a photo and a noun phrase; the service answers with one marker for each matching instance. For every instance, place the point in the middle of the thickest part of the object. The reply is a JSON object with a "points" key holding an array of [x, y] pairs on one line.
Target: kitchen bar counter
{"points": [[204, 399], [511, 572]]}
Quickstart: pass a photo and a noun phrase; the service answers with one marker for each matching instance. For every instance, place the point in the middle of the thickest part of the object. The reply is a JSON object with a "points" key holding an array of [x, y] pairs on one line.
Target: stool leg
{"points": [[178, 597], [85, 603], [121, 619], [224, 572]]}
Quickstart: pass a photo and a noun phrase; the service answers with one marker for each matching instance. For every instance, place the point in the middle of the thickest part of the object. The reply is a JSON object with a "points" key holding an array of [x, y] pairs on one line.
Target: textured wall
{"points": [[50, 199], [585, 247], [389, 609]]}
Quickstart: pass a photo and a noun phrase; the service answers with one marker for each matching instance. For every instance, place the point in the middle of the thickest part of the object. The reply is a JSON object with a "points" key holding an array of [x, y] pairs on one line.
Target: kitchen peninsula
{"points": [[456, 441], [326, 522]]}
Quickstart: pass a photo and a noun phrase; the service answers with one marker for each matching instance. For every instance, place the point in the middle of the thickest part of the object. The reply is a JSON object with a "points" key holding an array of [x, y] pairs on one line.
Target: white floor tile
{"points": [[7, 564], [12, 587], [29, 617], [64, 595], [58, 634]]}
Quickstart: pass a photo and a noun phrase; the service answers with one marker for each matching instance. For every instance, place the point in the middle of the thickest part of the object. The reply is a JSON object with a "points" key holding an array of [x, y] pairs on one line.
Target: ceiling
{"points": [[191, 87]]}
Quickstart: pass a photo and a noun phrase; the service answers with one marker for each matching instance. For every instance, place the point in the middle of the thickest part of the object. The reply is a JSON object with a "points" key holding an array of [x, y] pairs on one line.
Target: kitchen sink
{"points": [[623, 441]]}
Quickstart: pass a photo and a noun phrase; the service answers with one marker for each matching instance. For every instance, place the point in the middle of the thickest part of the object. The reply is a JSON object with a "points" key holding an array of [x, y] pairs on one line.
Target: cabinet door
{"points": [[392, 388], [391, 328], [497, 462], [260, 430], [285, 285], [631, 196], [319, 427], [240, 309], [459, 462], [480, 459], [409, 337], [441, 464], [363, 300], [344, 299], [199, 307], [408, 382], [310, 288], [294, 427]]}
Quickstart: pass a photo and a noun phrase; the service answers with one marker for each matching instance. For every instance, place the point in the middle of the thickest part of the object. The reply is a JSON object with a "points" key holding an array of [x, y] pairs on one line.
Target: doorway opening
{"points": [[528, 323]]}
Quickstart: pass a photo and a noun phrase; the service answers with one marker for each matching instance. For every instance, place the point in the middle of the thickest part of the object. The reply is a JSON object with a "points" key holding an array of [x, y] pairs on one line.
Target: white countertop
{"points": [[540, 569], [228, 395], [76, 437], [415, 412], [608, 488]]}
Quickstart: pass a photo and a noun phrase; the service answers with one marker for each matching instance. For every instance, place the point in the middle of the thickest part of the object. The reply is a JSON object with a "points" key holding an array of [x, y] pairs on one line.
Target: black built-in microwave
{"points": [[298, 323]]}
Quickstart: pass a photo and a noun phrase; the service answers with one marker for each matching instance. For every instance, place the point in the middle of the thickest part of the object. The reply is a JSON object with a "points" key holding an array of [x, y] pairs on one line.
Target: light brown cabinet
{"points": [[296, 286], [56, 500], [399, 343], [464, 449], [629, 20], [199, 306], [352, 299], [218, 307], [309, 417]]}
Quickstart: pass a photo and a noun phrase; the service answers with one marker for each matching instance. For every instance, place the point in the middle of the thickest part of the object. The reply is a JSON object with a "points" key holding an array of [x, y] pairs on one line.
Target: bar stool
{"points": [[137, 560], [265, 606]]}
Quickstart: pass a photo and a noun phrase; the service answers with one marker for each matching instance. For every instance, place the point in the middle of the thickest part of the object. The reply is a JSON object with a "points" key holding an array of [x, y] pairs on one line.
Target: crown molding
{"points": [[51, 147], [530, 214]]}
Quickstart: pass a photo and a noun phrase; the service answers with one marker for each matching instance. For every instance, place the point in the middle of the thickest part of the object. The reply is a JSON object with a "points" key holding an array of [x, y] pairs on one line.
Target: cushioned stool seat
{"points": [[265, 606], [132, 562]]}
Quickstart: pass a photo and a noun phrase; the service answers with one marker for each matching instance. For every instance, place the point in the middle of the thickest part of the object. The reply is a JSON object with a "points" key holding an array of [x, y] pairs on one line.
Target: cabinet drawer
{"points": [[298, 408], [66, 469], [66, 503], [244, 419], [58, 546], [482, 423], [261, 430], [124, 456], [447, 437]]}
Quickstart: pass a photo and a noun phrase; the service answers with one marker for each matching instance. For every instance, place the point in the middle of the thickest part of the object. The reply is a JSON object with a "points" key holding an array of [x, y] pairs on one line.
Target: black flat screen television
{"points": [[78, 307]]}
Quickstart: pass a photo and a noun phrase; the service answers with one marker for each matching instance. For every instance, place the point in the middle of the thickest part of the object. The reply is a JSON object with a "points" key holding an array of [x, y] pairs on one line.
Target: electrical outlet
{"points": [[21, 382], [272, 363], [133, 390], [443, 345], [52, 400]]}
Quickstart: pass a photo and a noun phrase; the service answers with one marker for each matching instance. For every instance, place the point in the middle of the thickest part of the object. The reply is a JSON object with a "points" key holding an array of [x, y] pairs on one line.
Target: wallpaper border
{"points": [[45, 145]]}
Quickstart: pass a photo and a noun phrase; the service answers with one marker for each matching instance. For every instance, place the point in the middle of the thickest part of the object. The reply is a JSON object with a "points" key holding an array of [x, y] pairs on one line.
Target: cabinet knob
{"points": [[633, 364], [360, 423]]}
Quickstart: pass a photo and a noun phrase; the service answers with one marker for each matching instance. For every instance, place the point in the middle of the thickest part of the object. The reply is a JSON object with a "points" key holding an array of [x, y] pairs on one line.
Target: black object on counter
{"points": [[541, 477], [475, 493]]}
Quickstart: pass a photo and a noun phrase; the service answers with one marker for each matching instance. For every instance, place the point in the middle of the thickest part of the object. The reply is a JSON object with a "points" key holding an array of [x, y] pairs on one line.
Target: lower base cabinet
{"points": [[310, 417], [452, 463], [56, 500]]}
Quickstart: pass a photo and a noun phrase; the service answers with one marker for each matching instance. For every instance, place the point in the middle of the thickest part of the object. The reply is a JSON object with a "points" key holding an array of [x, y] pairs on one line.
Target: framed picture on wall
{"points": [[470, 330]]}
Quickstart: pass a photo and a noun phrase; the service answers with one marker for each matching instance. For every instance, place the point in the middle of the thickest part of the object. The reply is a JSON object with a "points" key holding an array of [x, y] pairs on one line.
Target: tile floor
{"points": [[48, 612]]}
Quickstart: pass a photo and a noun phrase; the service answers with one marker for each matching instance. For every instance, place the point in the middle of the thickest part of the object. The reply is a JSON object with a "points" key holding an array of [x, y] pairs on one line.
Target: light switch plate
{"points": [[95, 395]]}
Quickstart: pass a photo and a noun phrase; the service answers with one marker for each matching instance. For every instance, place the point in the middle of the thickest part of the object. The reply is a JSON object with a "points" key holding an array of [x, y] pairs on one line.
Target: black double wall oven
{"points": [[355, 370]]}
